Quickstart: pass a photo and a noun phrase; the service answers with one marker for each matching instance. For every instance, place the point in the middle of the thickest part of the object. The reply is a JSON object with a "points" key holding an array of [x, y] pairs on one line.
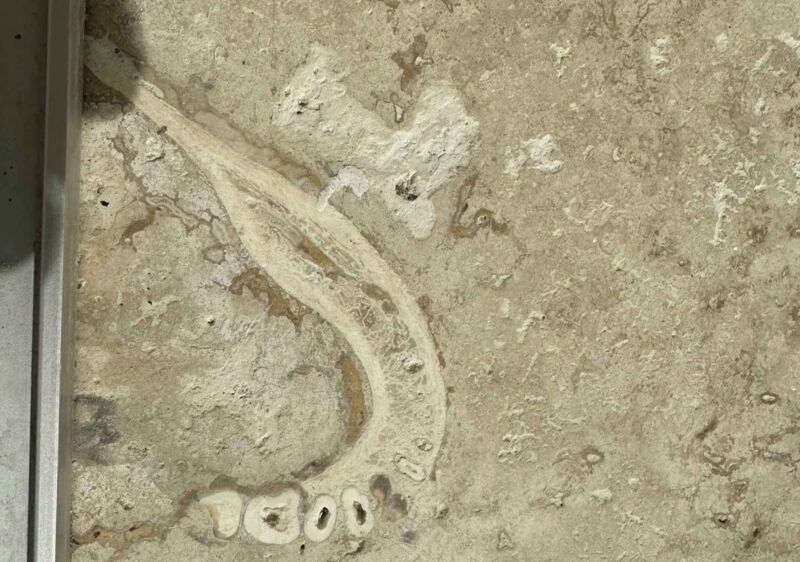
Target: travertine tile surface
{"points": [[439, 280]]}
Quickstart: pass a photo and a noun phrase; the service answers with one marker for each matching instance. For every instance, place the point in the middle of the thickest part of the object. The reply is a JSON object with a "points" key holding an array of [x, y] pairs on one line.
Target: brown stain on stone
{"points": [[393, 506], [407, 61], [139, 225], [450, 5], [315, 254], [155, 204], [262, 288], [119, 540], [609, 14], [424, 303], [354, 398], [225, 482], [707, 429], [757, 233], [302, 370], [482, 218], [376, 293]]}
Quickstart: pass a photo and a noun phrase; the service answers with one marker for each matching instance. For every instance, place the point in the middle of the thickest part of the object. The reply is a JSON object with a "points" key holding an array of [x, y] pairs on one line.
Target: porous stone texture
{"points": [[504, 280]]}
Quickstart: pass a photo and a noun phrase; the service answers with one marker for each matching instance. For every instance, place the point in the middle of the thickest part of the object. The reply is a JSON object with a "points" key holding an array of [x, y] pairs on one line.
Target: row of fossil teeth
{"points": [[276, 519]]}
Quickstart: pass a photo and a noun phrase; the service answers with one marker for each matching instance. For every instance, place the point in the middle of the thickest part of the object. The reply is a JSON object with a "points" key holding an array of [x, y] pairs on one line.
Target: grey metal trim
{"points": [[23, 33], [56, 286]]}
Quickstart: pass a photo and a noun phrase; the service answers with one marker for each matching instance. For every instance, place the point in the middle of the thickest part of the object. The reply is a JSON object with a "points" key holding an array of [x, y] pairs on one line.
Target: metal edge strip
{"points": [[57, 260]]}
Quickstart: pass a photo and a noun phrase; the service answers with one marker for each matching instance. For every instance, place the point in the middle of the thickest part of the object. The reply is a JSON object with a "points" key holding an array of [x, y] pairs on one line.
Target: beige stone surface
{"points": [[439, 280]]}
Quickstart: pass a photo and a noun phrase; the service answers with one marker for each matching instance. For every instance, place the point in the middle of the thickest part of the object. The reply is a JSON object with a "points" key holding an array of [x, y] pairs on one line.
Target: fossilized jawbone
{"points": [[321, 259]]}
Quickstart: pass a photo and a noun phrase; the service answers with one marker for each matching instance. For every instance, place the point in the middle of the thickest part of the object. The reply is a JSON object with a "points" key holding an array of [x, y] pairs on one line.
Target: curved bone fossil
{"points": [[321, 259]]}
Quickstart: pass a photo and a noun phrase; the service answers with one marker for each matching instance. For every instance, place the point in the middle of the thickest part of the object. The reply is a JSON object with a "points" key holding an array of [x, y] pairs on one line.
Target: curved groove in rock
{"points": [[321, 259]]}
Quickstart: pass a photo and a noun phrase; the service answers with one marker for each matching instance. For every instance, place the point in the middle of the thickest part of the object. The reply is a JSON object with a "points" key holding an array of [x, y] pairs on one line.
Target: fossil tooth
{"points": [[225, 509], [273, 519], [358, 513], [320, 519]]}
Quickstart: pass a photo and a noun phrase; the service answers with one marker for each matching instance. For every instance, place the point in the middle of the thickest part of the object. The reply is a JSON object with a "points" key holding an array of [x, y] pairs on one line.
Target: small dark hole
{"points": [[302, 548], [361, 514], [104, 203], [406, 190], [18, 36], [324, 517], [273, 519]]}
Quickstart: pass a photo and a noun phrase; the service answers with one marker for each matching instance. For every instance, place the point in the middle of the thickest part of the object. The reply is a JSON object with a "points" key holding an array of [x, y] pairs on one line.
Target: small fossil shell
{"points": [[411, 469]]}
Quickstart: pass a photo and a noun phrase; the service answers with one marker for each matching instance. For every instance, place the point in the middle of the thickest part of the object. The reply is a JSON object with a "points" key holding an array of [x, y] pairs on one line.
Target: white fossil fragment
{"points": [[788, 39], [412, 363], [760, 107], [534, 153], [358, 514], [317, 112], [411, 469], [225, 509], [602, 494], [522, 331], [660, 52], [273, 519], [559, 54], [721, 42], [723, 197], [320, 518], [505, 308], [348, 177]]}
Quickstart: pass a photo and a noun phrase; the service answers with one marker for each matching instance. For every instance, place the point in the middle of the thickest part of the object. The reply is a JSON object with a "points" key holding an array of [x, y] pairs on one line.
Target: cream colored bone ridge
{"points": [[275, 221]]}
